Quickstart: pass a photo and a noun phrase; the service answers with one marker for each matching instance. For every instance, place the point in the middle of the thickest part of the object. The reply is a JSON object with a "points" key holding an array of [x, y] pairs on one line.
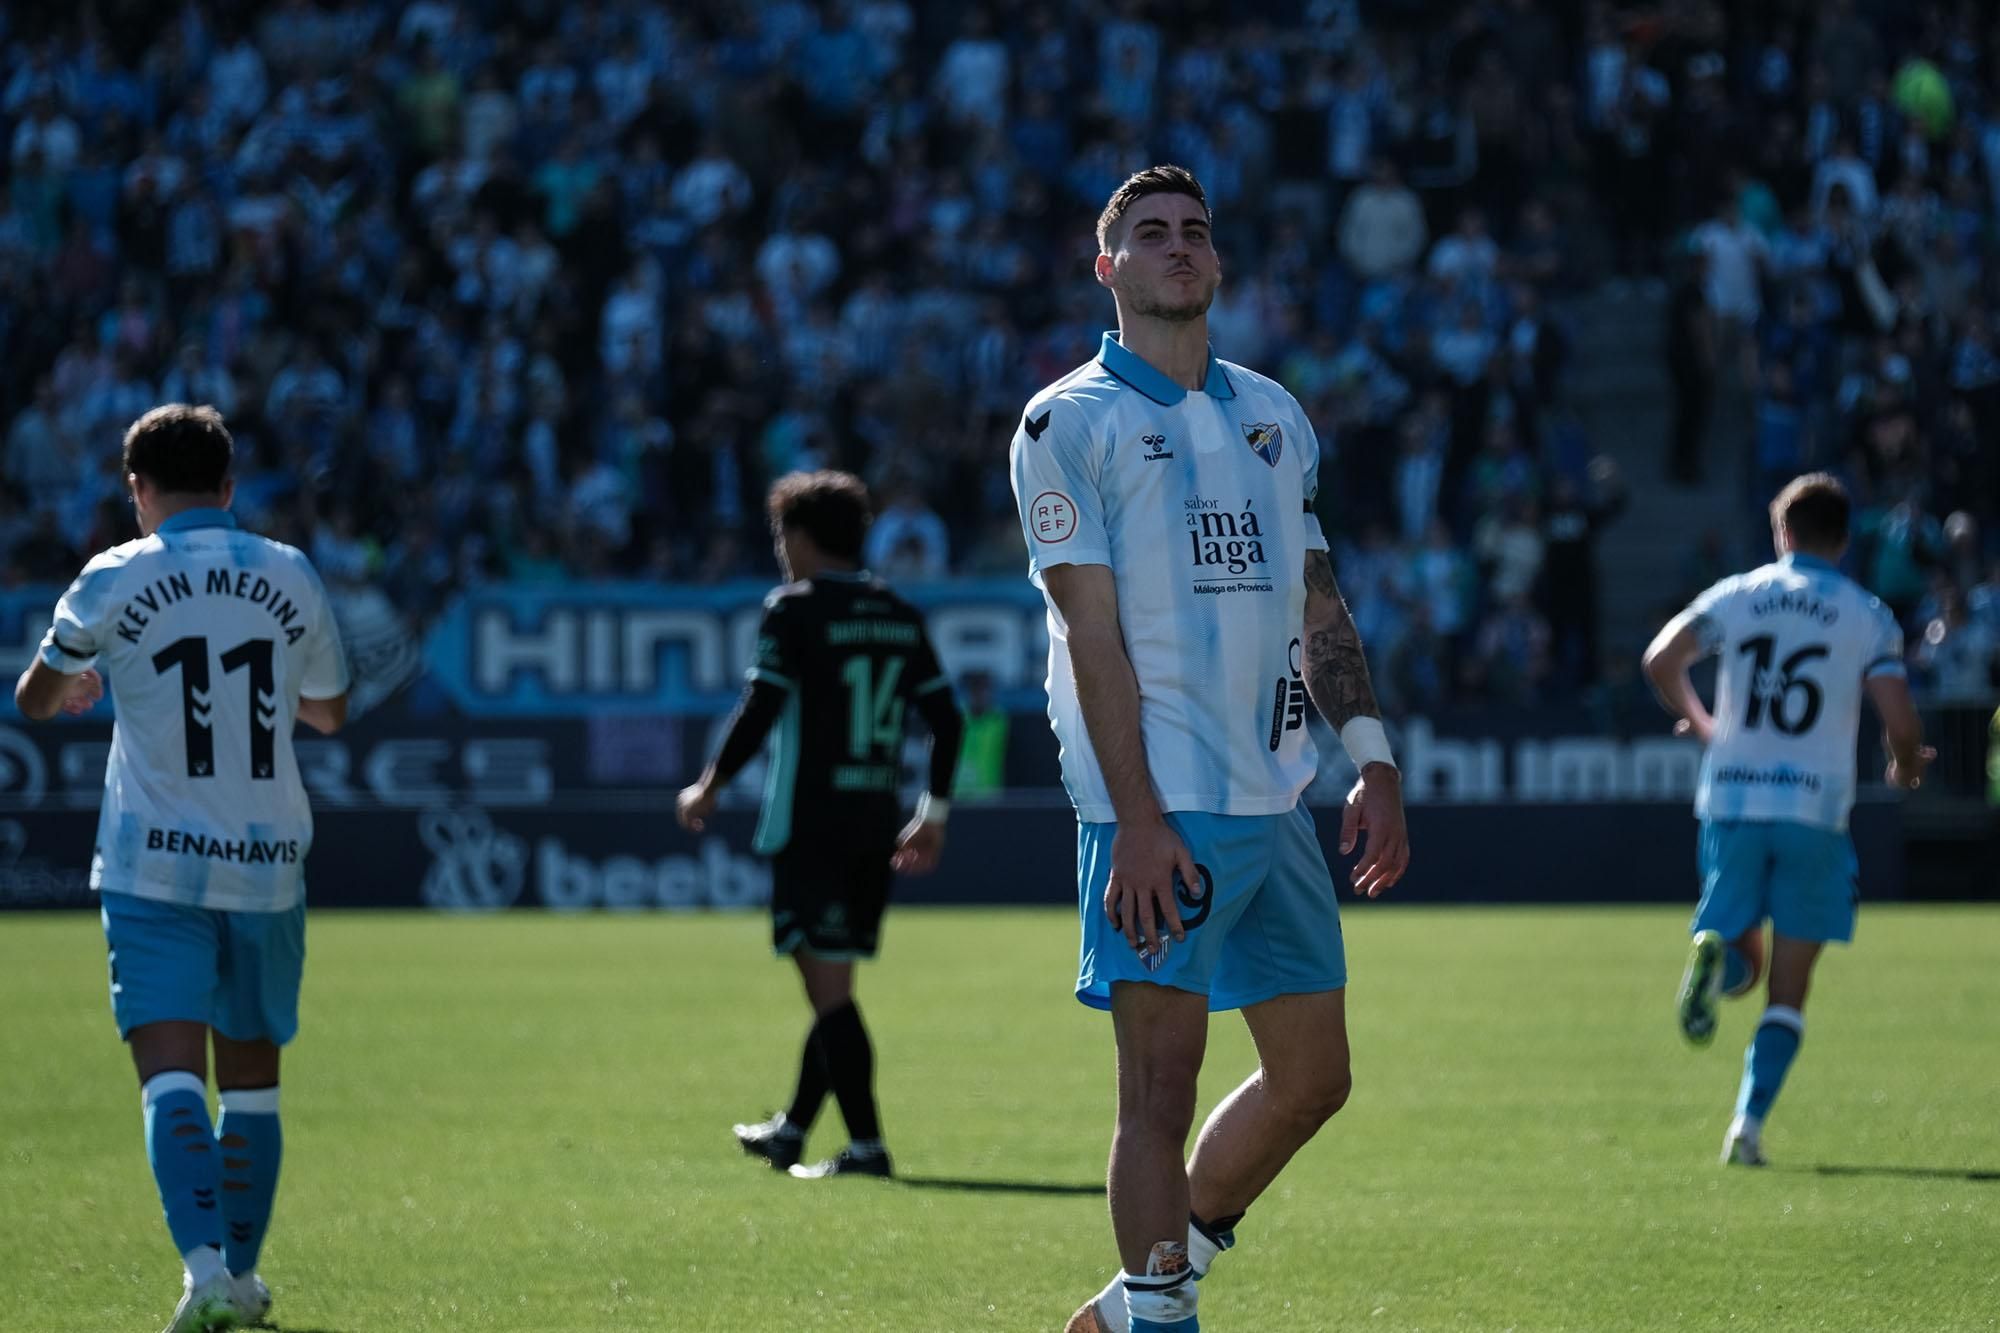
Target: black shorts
{"points": [[829, 890]]}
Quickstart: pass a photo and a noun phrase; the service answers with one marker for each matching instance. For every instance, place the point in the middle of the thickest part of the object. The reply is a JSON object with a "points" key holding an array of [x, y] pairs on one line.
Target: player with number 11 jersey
{"points": [[216, 642]]}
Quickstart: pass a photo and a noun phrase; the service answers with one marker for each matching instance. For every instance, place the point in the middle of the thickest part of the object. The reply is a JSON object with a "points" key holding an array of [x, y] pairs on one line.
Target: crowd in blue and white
{"points": [[542, 291], [1840, 299]]}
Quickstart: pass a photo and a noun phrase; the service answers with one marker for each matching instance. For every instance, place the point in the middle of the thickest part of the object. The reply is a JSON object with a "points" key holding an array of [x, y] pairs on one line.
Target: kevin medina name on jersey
{"points": [[238, 583], [246, 851], [1224, 540]]}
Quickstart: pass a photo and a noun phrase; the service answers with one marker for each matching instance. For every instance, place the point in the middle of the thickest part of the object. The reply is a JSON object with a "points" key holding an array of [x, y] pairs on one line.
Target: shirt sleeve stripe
{"points": [[771, 677], [1081, 555], [1885, 665], [935, 683], [59, 657]]}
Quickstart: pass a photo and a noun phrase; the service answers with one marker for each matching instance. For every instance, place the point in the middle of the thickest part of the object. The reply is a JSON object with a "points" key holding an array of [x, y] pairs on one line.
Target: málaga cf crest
{"points": [[1266, 440]]}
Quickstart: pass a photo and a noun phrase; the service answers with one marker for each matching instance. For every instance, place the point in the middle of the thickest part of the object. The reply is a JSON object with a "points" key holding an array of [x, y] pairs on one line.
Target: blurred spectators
{"points": [[528, 291]]}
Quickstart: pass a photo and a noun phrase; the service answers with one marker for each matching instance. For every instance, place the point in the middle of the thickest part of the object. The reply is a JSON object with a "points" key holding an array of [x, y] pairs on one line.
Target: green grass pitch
{"points": [[522, 1123]]}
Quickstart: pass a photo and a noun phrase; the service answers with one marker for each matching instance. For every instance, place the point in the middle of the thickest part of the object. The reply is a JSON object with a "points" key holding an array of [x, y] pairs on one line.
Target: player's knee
{"points": [[1313, 1099]]}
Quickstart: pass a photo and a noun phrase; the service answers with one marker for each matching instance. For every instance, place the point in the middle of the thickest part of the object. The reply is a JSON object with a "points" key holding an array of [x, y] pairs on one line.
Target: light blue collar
{"points": [[1142, 375], [197, 518], [1800, 560]]}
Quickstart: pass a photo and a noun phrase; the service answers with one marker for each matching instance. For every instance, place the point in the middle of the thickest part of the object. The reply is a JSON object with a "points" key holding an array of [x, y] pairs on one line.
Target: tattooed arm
{"points": [[1336, 674]]}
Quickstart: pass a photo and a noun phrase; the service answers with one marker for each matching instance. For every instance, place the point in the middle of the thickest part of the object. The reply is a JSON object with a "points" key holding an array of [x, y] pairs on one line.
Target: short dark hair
{"points": [[1814, 509], [180, 448], [1165, 179], [830, 507]]}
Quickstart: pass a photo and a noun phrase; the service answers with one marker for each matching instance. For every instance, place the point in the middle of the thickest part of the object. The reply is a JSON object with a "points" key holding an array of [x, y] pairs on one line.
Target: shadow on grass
{"points": [[1984, 1177], [1000, 1186]]}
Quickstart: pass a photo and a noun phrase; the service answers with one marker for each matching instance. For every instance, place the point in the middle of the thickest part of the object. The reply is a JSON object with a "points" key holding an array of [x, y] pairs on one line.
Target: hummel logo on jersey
{"points": [[1266, 440], [1036, 425], [1156, 448]]}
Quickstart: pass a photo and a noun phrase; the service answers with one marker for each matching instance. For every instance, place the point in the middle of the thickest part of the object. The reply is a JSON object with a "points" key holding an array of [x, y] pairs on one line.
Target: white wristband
{"points": [[1366, 742], [932, 809]]}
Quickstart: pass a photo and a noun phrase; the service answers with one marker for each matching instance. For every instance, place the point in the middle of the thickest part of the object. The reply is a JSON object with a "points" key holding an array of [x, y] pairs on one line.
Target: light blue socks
{"points": [[1736, 973], [252, 1146], [1765, 1064], [180, 1143]]}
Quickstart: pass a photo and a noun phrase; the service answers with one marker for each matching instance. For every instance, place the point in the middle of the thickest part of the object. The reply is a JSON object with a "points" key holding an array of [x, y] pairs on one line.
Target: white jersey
{"points": [[209, 637], [1797, 640], [1201, 505]]}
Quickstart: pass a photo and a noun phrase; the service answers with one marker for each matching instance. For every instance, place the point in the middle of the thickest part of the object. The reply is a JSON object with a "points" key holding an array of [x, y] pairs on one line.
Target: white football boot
{"points": [[253, 1298], [1701, 987], [1743, 1145], [209, 1308]]}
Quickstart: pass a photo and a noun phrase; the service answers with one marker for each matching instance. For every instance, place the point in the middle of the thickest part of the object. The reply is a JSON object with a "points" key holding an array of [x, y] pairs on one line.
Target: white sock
{"points": [[1746, 1127], [1201, 1250], [1166, 1292], [1111, 1305], [204, 1264], [1111, 1301]]}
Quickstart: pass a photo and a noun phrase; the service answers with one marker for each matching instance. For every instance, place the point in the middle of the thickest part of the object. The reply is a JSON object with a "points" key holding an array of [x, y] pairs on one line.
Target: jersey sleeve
{"points": [[1309, 479], [326, 675], [1885, 653], [1709, 614], [1056, 472], [780, 658], [84, 616]]}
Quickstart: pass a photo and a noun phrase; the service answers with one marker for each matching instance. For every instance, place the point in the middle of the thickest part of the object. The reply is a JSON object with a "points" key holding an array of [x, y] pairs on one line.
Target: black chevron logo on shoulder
{"points": [[1036, 425]]}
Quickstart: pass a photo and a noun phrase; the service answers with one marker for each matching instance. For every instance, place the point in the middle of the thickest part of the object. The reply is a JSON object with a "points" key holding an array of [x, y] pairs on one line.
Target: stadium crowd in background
{"points": [[538, 290]]}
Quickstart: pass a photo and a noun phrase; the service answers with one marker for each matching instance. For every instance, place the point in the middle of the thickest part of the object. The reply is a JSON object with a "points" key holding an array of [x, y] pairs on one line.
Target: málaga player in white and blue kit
{"points": [[1167, 501], [215, 641], [1798, 644]]}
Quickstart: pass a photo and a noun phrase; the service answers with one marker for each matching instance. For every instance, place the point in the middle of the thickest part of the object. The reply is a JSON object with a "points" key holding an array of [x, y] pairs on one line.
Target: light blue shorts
{"points": [[1267, 926], [237, 972], [1805, 879]]}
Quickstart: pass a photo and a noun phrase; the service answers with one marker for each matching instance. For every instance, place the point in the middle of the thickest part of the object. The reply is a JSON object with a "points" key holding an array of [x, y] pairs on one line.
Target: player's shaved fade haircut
{"points": [[1168, 179], [180, 448], [1814, 509], [830, 507]]}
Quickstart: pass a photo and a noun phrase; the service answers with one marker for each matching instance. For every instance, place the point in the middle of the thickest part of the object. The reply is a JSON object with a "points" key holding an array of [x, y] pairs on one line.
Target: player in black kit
{"points": [[840, 660]]}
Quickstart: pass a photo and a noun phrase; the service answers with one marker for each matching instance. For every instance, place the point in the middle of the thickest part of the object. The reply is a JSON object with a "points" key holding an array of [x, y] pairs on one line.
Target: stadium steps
{"points": [[1619, 390]]}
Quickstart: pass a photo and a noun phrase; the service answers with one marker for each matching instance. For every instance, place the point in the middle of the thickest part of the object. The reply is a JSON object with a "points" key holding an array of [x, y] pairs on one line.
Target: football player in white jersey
{"points": [[1798, 646], [1167, 501], [215, 642]]}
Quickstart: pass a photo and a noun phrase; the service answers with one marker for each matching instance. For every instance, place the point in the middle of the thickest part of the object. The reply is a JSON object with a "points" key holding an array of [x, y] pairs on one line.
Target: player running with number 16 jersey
{"points": [[1797, 644]]}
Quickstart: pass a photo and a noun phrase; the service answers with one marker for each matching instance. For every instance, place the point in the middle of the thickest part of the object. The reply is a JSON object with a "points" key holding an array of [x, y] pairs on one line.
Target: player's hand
{"points": [[1701, 728], [918, 848], [694, 805], [1145, 857], [1911, 778], [1375, 807], [84, 692]]}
